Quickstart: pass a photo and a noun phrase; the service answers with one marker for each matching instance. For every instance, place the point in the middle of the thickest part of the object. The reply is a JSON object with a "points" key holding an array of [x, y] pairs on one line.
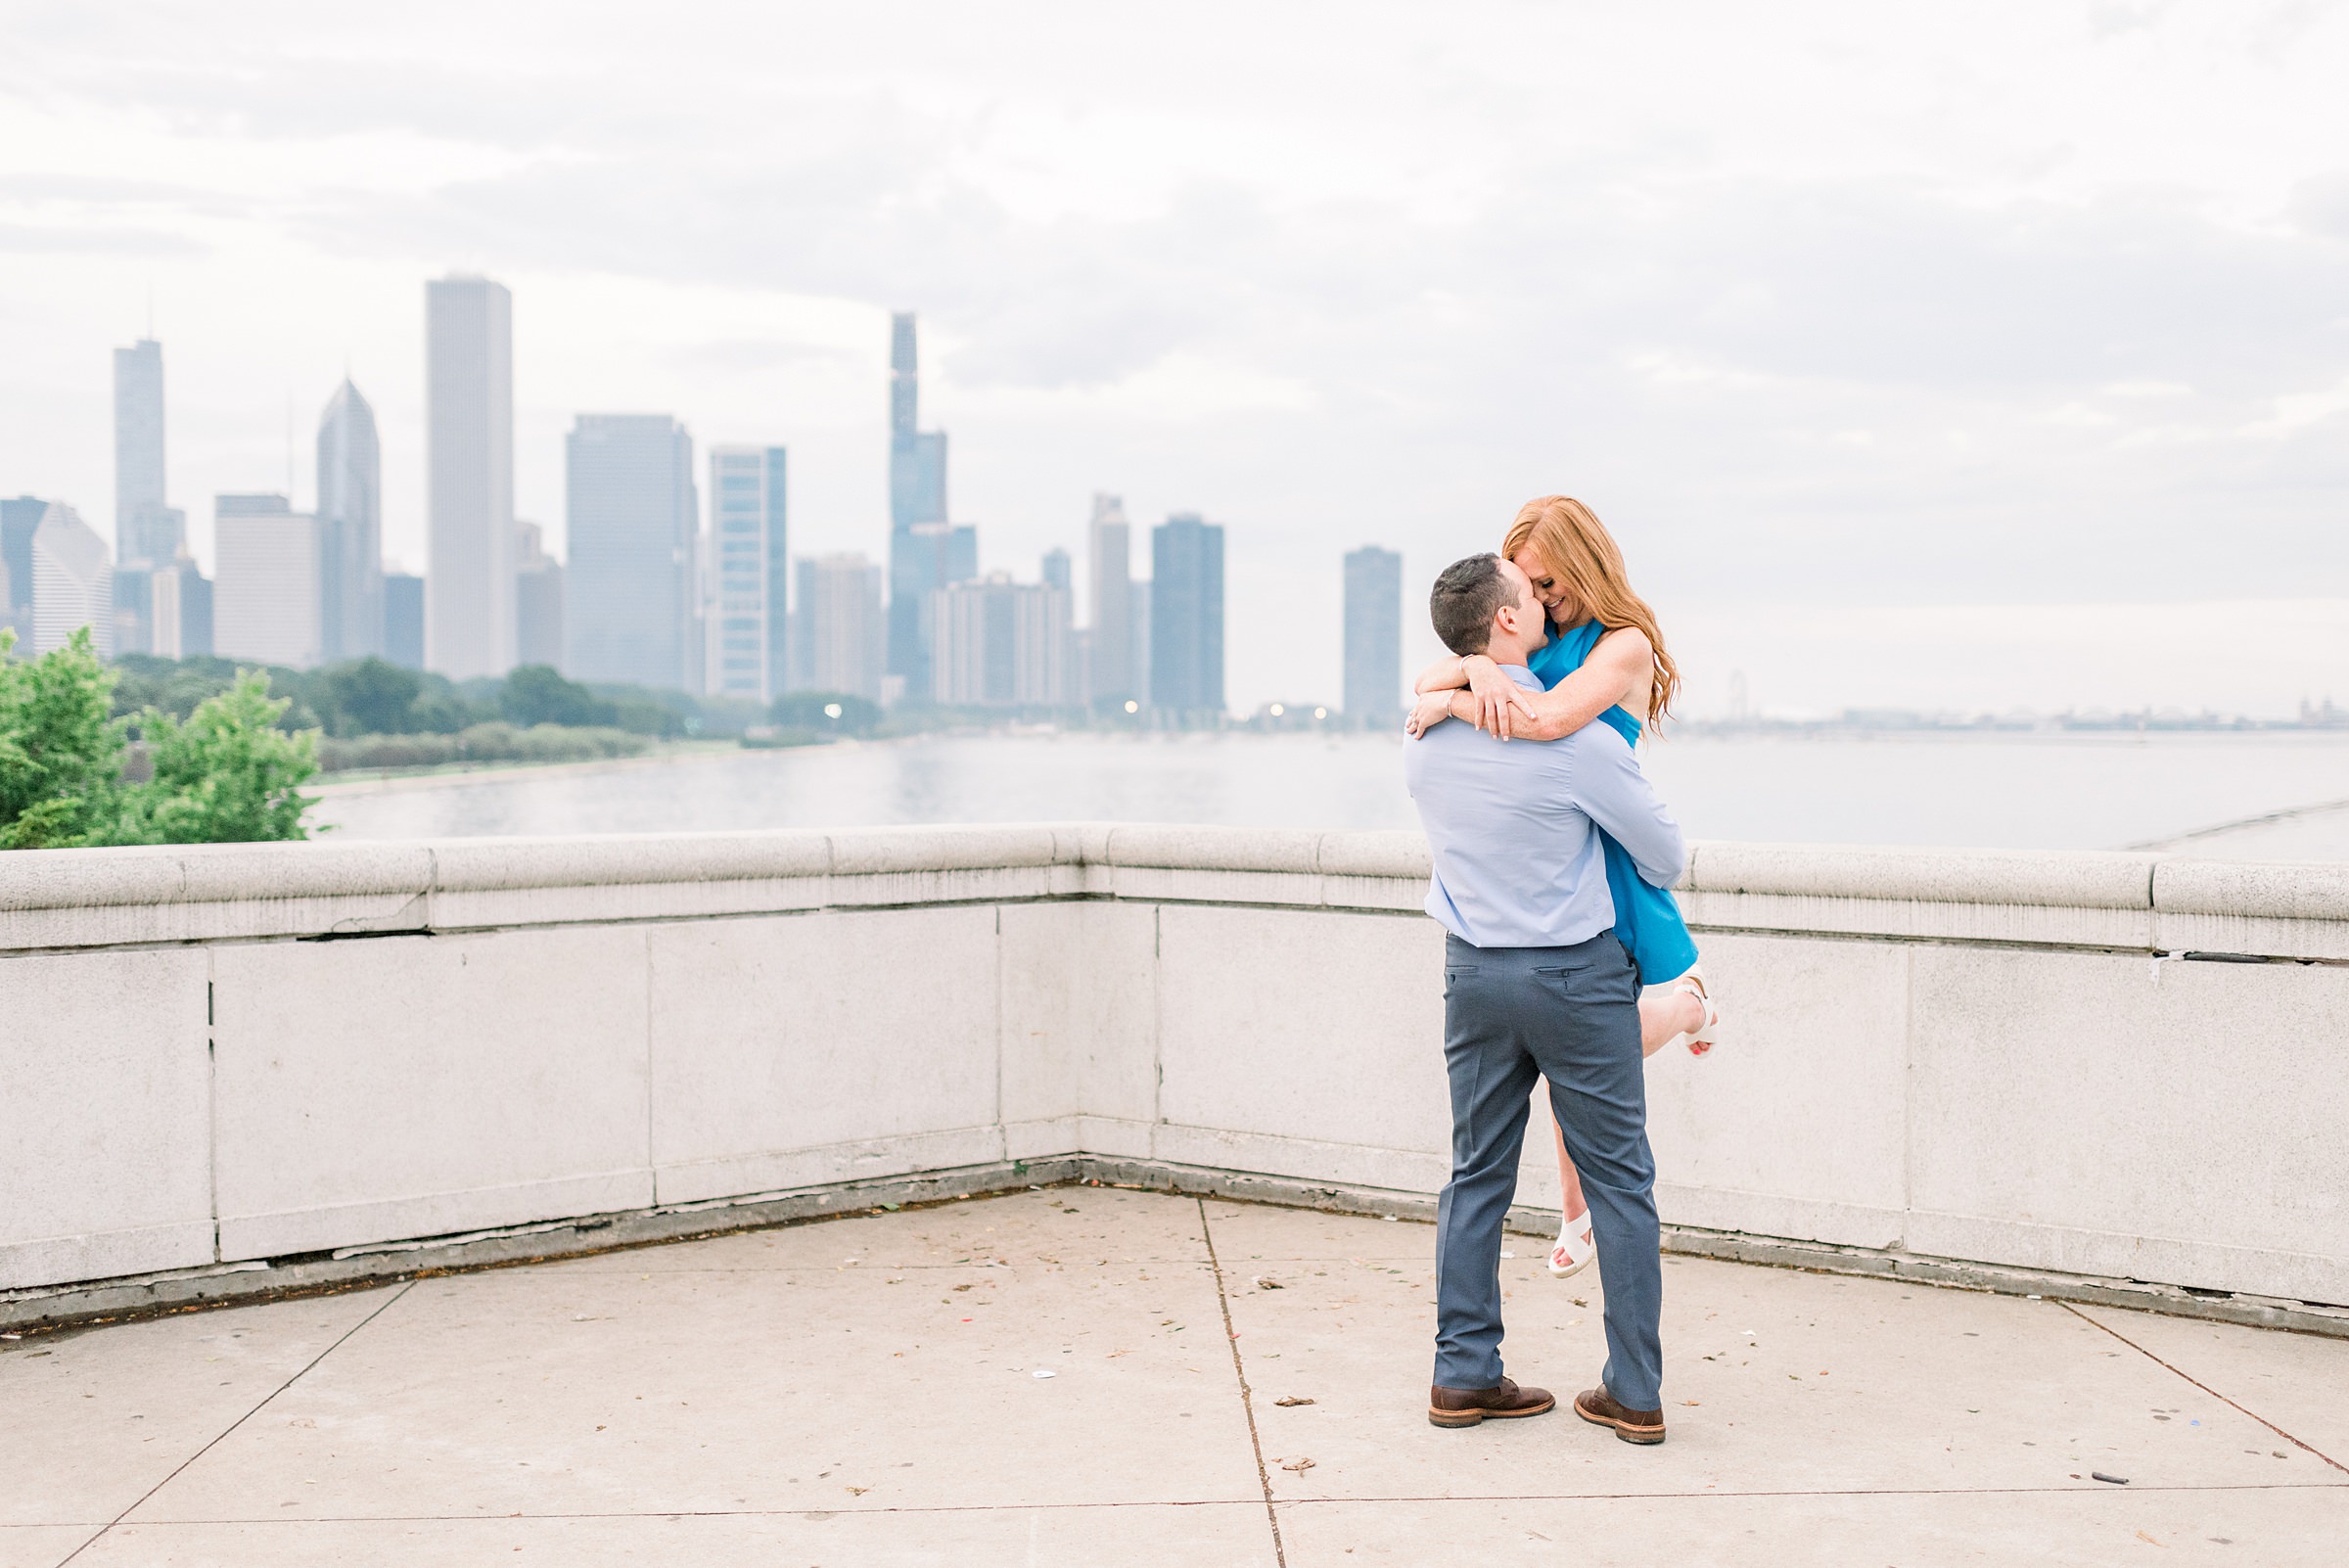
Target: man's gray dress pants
{"points": [[1570, 1015]]}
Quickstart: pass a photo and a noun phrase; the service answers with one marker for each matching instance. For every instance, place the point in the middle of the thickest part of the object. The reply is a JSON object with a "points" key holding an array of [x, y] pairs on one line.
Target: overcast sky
{"points": [[1825, 309]]}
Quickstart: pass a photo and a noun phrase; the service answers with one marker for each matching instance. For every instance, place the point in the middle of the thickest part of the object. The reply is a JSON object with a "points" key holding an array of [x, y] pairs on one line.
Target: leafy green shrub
{"points": [[227, 775], [61, 756], [482, 743], [224, 774]]}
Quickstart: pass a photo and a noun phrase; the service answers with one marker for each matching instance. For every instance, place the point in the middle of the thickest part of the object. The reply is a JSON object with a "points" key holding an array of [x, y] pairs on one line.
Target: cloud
{"points": [[24, 238]]}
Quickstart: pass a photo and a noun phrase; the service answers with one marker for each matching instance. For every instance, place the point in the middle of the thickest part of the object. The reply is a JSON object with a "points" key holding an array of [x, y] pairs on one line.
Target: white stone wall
{"points": [[1975, 1056]]}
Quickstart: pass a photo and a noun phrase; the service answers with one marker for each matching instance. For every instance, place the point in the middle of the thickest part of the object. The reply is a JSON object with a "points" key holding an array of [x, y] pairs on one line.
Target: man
{"points": [[1535, 985]]}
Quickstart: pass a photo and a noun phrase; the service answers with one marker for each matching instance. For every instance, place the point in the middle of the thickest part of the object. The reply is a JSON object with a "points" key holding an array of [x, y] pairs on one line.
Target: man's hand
{"points": [[1499, 699], [1431, 710]]}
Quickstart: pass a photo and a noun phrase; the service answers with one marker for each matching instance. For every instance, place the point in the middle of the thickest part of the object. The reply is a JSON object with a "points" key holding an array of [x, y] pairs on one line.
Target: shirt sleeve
{"points": [[1613, 792]]}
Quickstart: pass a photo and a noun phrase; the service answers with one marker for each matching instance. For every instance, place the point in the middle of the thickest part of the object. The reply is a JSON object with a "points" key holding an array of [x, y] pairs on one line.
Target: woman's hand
{"points": [[1498, 698], [1431, 710]]}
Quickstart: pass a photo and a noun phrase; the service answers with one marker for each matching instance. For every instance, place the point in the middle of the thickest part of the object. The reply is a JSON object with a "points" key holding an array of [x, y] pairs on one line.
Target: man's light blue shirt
{"points": [[1510, 824]]}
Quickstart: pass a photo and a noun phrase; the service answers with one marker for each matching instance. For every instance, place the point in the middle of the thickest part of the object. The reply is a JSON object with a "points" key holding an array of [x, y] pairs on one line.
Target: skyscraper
{"points": [[1373, 637], [20, 517], [917, 499], [265, 601], [350, 534], [469, 461], [750, 574], [1106, 544], [997, 643], [842, 636], [537, 600], [1056, 569], [403, 619], [633, 600], [72, 583], [148, 531], [1186, 616]]}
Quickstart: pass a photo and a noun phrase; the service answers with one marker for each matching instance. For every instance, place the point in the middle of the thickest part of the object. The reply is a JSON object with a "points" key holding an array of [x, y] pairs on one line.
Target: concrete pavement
{"points": [[1090, 1375]]}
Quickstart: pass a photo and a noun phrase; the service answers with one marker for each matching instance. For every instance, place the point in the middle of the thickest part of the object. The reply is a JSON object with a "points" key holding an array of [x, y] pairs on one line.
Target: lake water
{"points": [[2023, 791]]}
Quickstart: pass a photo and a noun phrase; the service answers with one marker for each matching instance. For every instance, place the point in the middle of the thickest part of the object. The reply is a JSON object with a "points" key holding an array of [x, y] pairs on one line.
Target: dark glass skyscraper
{"points": [[1373, 636], [918, 502], [1186, 616]]}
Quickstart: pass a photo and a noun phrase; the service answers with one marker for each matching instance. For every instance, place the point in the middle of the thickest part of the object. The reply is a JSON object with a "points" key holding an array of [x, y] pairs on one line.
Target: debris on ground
{"points": [[1292, 1400], [2110, 1480], [1043, 1371], [1267, 1283], [1300, 1466]]}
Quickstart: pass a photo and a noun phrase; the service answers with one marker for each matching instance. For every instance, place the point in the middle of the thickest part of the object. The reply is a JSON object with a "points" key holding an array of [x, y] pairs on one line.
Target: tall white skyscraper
{"points": [[72, 583], [350, 534], [749, 574], [469, 461], [633, 597], [843, 638], [265, 592], [1109, 551]]}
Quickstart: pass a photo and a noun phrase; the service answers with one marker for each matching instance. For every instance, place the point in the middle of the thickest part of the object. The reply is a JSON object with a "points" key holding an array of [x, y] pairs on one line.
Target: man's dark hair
{"points": [[1467, 595]]}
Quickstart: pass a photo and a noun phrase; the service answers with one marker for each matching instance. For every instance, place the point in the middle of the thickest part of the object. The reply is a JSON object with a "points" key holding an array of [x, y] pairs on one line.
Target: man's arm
{"points": [[1613, 792]]}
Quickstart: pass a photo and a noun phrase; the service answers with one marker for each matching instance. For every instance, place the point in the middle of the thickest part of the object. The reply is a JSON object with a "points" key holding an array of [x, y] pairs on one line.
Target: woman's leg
{"points": [[1667, 1012]]}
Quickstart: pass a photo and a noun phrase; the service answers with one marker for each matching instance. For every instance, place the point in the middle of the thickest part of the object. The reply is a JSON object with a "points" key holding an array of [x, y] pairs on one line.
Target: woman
{"points": [[1605, 660]]}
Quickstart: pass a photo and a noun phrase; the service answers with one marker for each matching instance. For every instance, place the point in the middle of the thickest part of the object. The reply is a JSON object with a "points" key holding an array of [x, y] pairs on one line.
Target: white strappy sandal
{"points": [[1708, 1034], [1575, 1249]]}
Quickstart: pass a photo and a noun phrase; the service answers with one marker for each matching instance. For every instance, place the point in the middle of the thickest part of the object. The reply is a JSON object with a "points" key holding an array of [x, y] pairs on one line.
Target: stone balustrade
{"points": [[221, 1058]]}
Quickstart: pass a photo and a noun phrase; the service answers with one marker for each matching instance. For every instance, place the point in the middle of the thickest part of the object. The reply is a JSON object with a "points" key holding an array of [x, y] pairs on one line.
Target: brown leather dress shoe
{"points": [[1601, 1409], [1503, 1400]]}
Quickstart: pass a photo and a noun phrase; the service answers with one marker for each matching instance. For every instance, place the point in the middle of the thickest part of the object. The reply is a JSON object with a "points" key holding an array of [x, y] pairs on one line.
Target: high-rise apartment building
{"points": [[265, 599], [1057, 570], [1109, 660], [147, 530], [537, 600], [1186, 616], [403, 619], [748, 622], [997, 643], [469, 462], [843, 640], [632, 588], [1373, 637], [72, 583], [917, 500], [350, 528]]}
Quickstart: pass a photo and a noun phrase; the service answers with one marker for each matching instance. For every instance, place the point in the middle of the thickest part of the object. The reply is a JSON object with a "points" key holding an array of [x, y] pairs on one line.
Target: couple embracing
{"points": [[1553, 860]]}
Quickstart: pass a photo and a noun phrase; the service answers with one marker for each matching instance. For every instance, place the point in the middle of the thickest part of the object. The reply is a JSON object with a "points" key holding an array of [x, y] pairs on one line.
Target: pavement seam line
{"points": [[2205, 1388], [1239, 1370], [223, 1434]]}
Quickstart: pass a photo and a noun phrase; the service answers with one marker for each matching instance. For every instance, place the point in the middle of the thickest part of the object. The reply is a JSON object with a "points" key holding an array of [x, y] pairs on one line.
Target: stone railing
{"points": [[224, 1058]]}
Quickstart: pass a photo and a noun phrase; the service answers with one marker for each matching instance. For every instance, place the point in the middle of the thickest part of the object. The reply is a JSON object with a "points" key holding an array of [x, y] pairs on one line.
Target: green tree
{"points": [[61, 753], [228, 775], [536, 694], [376, 697]]}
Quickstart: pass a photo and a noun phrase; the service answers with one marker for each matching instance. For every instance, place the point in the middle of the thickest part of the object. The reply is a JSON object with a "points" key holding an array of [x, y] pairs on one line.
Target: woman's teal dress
{"points": [[1648, 918]]}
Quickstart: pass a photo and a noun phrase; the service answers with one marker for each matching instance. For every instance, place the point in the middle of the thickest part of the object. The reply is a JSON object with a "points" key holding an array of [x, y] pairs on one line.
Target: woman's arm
{"points": [[1621, 669], [1492, 700]]}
